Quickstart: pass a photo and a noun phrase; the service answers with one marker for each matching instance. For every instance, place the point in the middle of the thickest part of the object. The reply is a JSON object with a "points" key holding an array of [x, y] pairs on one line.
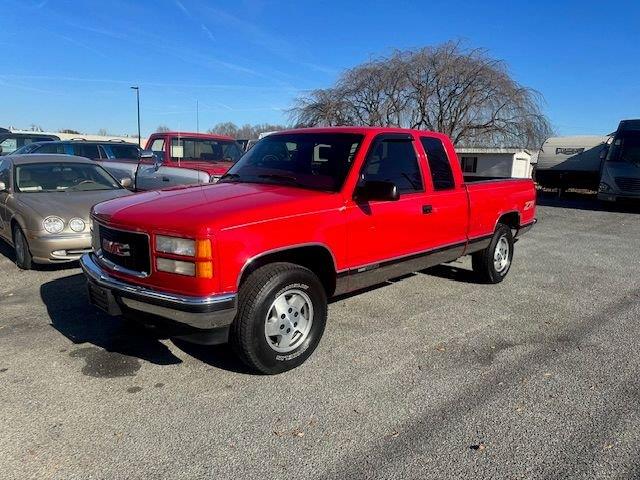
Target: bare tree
{"points": [[461, 92], [69, 130], [103, 132], [247, 131], [162, 129]]}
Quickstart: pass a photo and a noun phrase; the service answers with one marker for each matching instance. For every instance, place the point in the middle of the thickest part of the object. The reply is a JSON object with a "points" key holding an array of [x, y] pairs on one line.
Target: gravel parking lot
{"points": [[431, 376]]}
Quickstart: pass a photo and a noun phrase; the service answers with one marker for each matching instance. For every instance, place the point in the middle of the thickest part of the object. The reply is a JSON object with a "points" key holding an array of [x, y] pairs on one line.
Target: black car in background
{"points": [[10, 141], [120, 158]]}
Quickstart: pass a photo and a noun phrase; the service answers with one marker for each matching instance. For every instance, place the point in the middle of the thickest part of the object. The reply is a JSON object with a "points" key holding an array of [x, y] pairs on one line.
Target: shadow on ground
{"points": [[72, 315], [585, 201]]}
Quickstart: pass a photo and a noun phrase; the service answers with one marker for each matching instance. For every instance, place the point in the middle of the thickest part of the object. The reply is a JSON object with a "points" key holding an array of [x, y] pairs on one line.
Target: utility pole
{"points": [[197, 118], [137, 89]]}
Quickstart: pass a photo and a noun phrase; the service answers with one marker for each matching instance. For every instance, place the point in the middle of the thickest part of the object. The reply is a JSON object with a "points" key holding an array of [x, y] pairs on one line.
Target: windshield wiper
{"points": [[288, 178], [229, 176]]}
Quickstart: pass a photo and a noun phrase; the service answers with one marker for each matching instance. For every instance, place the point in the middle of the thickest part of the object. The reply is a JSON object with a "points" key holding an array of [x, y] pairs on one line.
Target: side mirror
{"points": [[377, 190], [3, 186], [126, 182], [147, 154]]}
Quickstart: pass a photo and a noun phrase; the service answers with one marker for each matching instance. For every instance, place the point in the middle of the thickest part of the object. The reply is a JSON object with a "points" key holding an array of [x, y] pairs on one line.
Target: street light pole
{"points": [[197, 118], [137, 89]]}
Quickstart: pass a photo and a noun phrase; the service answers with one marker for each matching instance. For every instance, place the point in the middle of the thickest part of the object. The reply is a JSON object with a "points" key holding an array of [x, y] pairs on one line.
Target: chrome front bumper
{"points": [[110, 294]]}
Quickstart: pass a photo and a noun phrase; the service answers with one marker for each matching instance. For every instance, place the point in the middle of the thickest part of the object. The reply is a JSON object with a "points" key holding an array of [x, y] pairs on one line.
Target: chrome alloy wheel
{"points": [[501, 255], [288, 321]]}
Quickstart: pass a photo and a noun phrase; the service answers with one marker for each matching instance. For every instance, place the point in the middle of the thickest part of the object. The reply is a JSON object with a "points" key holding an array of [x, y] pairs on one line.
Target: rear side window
{"points": [[439, 165], [123, 152], [86, 150], [393, 160], [52, 148]]}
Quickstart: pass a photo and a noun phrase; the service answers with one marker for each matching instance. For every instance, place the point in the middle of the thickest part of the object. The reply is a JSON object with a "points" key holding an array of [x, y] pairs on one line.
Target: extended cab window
{"points": [[394, 160], [318, 161], [441, 173]]}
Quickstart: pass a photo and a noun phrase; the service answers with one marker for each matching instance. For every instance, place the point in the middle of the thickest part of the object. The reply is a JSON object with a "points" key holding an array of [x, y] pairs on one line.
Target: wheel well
{"points": [[316, 258], [511, 219]]}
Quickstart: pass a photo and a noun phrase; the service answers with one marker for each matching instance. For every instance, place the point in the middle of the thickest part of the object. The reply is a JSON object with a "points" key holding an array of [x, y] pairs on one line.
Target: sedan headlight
{"points": [[77, 224], [176, 246], [604, 187], [53, 224]]}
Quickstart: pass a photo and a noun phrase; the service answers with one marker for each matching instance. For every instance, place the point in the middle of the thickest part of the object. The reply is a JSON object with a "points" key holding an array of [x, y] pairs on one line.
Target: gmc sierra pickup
{"points": [[305, 215]]}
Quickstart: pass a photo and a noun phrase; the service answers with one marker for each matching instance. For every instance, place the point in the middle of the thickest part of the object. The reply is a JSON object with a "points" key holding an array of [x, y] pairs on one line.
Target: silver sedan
{"points": [[45, 201]]}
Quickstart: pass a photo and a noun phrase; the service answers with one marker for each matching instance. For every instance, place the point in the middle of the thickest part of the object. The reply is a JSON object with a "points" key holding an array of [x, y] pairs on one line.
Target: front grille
{"points": [[628, 184], [135, 244]]}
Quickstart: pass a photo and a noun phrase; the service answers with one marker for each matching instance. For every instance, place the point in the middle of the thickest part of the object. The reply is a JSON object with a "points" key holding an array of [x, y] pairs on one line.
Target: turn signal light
{"points": [[203, 248], [204, 269]]}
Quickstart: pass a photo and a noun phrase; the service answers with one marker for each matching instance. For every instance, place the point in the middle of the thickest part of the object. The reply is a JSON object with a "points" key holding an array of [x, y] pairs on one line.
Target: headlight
{"points": [[176, 266], [53, 224], [214, 178], [176, 246], [77, 224], [604, 187]]}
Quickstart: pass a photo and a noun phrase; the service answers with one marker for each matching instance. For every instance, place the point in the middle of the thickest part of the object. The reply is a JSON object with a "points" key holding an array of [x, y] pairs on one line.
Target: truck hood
{"points": [[205, 209], [218, 168]]}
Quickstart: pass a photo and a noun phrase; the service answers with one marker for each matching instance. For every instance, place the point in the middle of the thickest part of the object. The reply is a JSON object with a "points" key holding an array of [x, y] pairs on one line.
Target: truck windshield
{"points": [[318, 161], [205, 150], [625, 148]]}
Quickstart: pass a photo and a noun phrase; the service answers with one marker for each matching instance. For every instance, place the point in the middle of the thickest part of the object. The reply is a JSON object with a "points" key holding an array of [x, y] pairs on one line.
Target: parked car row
{"points": [[252, 255]]}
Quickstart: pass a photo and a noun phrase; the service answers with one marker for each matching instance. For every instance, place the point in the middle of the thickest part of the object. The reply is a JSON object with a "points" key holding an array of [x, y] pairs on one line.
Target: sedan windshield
{"points": [[318, 161], [626, 148], [63, 177]]}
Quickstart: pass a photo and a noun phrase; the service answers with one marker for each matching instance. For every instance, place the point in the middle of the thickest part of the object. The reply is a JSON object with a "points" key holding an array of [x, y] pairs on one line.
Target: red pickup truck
{"points": [[305, 215], [182, 158]]}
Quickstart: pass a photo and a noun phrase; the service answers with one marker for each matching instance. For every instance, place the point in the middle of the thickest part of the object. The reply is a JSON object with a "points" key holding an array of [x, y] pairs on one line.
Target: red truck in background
{"points": [[305, 215], [182, 158]]}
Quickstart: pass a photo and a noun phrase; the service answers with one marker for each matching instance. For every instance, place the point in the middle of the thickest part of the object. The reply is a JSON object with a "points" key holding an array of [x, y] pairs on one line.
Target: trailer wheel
{"points": [[282, 312], [492, 264]]}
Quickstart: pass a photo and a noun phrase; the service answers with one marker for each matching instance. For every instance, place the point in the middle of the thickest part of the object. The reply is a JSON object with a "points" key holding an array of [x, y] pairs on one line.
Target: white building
{"points": [[495, 162]]}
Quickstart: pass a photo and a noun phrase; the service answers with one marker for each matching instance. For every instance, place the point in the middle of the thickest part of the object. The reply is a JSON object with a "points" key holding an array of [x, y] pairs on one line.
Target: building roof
{"points": [[480, 150]]}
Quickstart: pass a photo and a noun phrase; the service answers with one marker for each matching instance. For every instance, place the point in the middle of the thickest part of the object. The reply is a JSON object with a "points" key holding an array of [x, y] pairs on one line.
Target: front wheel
{"points": [[492, 264], [23, 254], [282, 313]]}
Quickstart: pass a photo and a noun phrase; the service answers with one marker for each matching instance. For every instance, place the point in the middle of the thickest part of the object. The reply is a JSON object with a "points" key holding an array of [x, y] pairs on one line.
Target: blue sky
{"points": [[69, 63]]}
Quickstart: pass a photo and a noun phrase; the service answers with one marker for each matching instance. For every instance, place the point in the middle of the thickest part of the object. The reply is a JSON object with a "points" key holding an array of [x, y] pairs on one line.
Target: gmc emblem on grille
{"points": [[116, 248]]}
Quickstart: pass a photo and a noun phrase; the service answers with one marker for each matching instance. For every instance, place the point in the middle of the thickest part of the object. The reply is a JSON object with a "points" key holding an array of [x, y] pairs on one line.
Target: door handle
{"points": [[427, 209], [165, 179]]}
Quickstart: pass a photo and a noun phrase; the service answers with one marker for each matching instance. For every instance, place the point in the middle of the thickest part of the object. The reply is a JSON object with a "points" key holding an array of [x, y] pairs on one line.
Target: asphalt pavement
{"points": [[429, 376]]}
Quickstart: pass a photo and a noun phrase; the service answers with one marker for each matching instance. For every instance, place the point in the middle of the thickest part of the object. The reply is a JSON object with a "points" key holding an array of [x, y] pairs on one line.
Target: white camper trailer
{"points": [[571, 162]]}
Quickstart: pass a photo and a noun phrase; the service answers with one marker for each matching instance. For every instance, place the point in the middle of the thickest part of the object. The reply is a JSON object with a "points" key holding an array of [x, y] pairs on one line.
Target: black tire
{"points": [[24, 260], [483, 261], [256, 297]]}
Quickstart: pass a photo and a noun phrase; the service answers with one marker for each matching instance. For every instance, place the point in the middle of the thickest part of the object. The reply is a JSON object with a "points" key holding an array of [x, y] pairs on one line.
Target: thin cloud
{"points": [[183, 8], [208, 32]]}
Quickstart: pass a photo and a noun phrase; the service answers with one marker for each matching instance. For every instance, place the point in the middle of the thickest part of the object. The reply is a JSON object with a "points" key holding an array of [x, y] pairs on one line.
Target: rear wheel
{"points": [[23, 255], [281, 317], [493, 263]]}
